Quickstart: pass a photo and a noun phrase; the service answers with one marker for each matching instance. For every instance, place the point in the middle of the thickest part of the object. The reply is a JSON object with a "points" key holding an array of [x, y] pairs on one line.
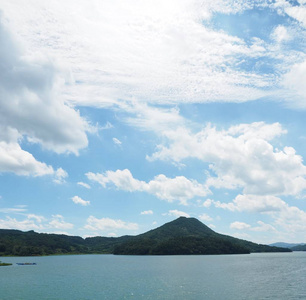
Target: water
{"points": [[256, 276]]}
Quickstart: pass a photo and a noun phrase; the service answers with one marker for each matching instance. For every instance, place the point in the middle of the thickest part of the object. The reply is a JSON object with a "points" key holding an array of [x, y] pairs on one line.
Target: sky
{"points": [[119, 116]]}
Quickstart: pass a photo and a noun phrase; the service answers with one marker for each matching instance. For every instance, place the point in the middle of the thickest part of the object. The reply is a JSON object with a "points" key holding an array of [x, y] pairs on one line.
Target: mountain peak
{"points": [[180, 227]]}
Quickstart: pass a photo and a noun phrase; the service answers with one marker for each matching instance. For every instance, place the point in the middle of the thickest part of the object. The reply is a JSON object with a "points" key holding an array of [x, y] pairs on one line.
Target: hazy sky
{"points": [[119, 116]]}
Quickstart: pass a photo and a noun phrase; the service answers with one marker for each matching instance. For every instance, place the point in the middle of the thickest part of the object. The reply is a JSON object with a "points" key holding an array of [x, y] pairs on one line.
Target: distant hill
{"points": [[285, 245], [300, 247], [179, 237]]}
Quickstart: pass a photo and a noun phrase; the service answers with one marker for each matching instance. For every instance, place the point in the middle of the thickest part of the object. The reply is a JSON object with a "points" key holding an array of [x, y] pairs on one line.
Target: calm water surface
{"points": [[256, 276]]}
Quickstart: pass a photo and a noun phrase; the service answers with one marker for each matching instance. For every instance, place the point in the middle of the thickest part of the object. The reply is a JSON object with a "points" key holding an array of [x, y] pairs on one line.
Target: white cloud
{"points": [[177, 213], [116, 141], [253, 203], [58, 222], [294, 80], [207, 203], [298, 13], [31, 103], [205, 218], [108, 224], [15, 160], [171, 189], [148, 117], [239, 225], [39, 219], [108, 125], [33, 109], [24, 225], [280, 34], [263, 227], [288, 221], [60, 176], [34, 222], [147, 212], [78, 200], [85, 185], [241, 157]]}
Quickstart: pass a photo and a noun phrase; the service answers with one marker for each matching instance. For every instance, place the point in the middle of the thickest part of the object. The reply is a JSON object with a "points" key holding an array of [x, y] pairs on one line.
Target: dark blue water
{"points": [[256, 276]]}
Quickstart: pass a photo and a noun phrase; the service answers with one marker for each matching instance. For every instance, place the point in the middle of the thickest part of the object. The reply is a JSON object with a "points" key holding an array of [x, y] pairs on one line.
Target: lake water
{"points": [[256, 276]]}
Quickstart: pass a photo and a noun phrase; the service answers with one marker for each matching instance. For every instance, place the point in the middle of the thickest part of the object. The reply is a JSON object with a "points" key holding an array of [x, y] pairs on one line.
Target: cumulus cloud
{"points": [[253, 203], [58, 222], [79, 200], [286, 219], [239, 225], [60, 175], [15, 160], [33, 109], [170, 189], [263, 227], [241, 157], [280, 34], [35, 222], [205, 218], [207, 203], [24, 225], [103, 224], [298, 13]]}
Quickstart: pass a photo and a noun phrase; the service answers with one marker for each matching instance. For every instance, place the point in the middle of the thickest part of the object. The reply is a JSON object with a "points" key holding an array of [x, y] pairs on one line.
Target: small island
{"points": [[2, 264]]}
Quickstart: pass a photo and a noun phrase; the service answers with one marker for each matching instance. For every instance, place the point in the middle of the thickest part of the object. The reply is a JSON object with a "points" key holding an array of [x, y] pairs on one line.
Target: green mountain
{"points": [[188, 236], [179, 237]]}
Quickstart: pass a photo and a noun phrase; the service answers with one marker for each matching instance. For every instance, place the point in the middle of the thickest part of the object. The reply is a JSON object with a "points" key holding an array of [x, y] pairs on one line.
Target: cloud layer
{"points": [[161, 52]]}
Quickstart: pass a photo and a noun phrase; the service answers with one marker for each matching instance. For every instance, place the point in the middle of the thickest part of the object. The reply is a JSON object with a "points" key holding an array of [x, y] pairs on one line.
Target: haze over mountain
{"points": [[182, 236]]}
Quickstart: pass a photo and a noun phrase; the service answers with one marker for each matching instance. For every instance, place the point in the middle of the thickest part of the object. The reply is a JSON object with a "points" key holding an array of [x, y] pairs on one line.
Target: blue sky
{"points": [[119, 116]]}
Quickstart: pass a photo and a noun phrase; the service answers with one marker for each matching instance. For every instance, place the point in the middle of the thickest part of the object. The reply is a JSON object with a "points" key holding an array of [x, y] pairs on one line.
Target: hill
{"points": [[181, 236]]}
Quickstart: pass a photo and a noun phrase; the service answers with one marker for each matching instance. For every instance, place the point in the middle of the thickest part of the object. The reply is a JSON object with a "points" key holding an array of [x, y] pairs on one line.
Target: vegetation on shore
{"points": [[180, 237]]}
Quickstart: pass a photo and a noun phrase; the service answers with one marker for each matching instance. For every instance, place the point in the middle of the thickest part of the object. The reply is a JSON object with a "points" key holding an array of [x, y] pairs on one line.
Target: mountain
{"points": [[188, 236], [285, 245], [181, 236]]}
